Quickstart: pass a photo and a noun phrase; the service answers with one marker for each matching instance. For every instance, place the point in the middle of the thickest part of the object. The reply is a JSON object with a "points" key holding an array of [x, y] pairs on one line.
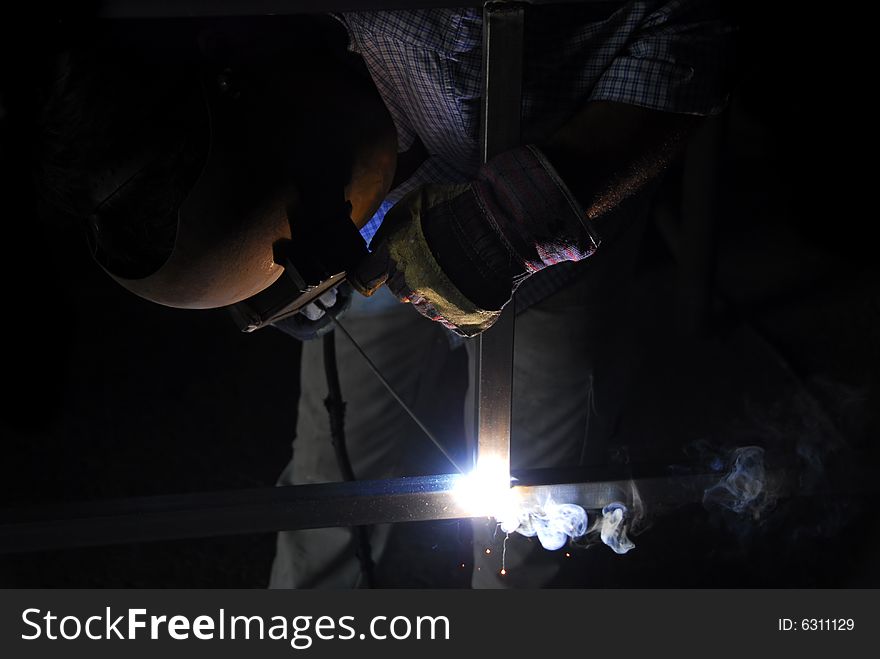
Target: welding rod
{"points": [[394, 394]]}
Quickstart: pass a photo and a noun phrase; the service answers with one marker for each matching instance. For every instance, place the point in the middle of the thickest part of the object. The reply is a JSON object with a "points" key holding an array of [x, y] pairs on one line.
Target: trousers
{"points": [[572, 353]]}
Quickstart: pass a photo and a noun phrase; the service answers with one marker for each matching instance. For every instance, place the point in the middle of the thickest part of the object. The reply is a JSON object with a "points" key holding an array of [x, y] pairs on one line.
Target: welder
{"points": [[237, 157]]}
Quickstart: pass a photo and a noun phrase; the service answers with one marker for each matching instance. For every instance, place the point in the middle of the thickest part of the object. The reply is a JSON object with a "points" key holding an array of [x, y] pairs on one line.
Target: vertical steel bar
{"points": [[501, 110], [502, 77]]}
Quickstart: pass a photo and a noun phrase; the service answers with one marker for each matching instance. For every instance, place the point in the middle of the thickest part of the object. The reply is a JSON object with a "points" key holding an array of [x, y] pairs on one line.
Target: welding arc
{"points": [[391, 391]]}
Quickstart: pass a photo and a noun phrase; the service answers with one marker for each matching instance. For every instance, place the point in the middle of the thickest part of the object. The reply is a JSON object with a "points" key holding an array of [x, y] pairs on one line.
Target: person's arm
{"points": [[608, 151], [458, 252]]}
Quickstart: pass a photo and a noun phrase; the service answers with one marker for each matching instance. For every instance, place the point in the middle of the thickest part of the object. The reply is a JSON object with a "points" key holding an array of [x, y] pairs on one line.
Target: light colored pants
{"points": [[382, 440], [559, 418]]}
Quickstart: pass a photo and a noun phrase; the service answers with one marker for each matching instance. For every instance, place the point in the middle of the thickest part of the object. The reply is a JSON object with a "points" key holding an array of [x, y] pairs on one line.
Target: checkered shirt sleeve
{"points": [[670, 56]]}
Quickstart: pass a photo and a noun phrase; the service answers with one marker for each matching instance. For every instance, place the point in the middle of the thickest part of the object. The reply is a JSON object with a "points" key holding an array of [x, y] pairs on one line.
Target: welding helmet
{"points": [[265, 260]]}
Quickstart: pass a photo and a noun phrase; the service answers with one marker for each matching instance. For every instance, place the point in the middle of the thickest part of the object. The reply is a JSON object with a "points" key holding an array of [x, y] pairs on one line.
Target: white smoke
{"points": [[613, 528], [745, 487], [554, 524]]}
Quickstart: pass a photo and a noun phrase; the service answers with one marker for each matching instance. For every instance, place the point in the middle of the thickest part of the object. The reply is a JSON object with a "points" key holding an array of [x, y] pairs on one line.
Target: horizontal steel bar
{"points": [[227, 513], [184, 8], [656, 493], [264, 510]]}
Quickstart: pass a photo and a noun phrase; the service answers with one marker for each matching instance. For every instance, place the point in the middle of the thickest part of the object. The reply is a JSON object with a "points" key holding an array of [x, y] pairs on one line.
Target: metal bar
{"points": [[272, 509], [493, 393], [228, 513], [659, 493], [501, 106], [501, 114], [192, 8]]}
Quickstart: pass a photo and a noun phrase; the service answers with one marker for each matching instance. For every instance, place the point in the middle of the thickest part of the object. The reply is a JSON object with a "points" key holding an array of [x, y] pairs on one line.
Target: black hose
{"points": [[336, 411]]}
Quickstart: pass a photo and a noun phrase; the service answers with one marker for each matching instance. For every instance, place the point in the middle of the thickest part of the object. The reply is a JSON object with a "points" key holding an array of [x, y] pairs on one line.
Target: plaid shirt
{"points": [[426, 64]]}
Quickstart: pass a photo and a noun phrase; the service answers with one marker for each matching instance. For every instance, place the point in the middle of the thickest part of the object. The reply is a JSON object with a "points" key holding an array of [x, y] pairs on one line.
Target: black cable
{"points": [[336, 410]]}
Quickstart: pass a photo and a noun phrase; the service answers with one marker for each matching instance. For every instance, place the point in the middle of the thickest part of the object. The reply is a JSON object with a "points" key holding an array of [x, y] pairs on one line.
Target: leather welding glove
{"points": [[457, 252]]}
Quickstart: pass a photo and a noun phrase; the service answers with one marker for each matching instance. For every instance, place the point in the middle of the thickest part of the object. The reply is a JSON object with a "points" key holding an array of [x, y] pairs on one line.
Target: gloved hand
{"points": [[457, 252], [312, 321]]}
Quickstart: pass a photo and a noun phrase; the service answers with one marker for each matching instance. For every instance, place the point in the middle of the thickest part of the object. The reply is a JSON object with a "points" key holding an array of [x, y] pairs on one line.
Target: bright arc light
{"points": [[486, 490]]}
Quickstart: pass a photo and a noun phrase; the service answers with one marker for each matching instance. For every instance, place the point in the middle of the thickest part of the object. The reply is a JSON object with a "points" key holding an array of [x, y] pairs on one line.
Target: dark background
{"points": [[106, 395]]}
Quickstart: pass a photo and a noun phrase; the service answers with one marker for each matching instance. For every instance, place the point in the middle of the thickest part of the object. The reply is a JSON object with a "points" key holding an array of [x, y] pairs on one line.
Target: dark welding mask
{"points": [[266, 261]]}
